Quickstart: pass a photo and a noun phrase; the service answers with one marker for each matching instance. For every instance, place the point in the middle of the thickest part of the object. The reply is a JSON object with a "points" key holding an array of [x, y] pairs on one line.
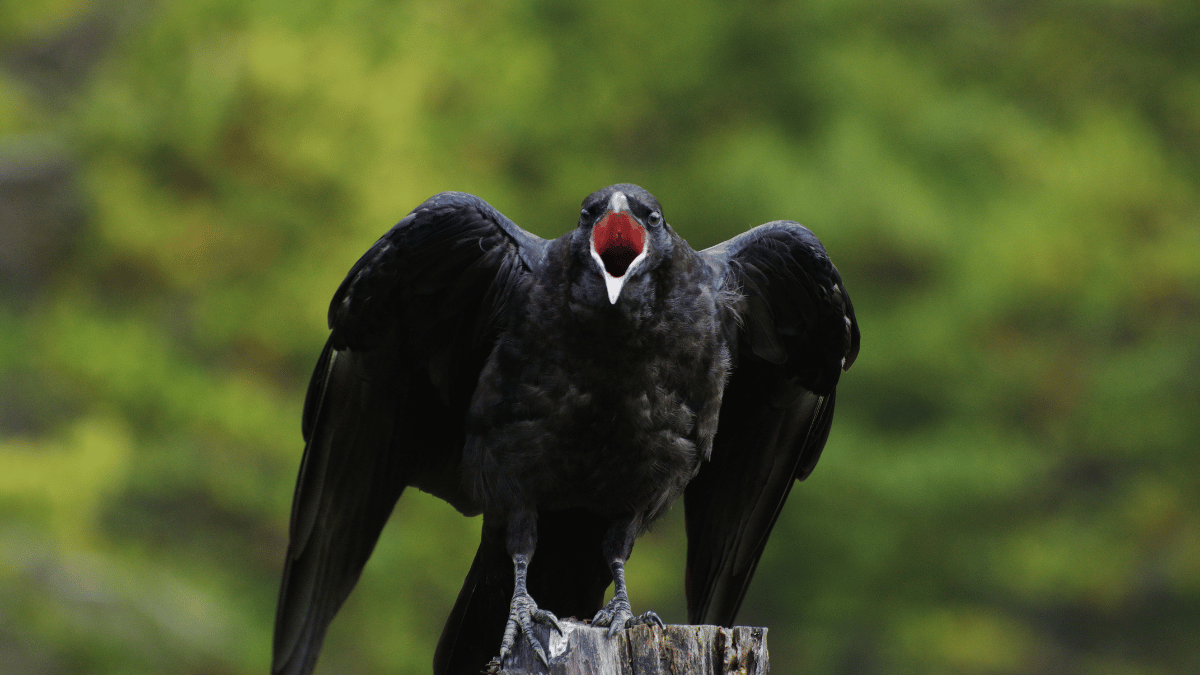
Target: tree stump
{"points": [[642, 650]]}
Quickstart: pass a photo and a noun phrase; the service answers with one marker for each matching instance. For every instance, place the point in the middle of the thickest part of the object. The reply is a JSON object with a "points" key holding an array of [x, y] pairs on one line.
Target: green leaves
{"points": [[1011, 193]]}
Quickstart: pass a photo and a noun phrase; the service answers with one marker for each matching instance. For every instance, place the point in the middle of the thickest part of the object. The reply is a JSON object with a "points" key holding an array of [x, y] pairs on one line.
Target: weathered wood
{"points": [[643, 650]]}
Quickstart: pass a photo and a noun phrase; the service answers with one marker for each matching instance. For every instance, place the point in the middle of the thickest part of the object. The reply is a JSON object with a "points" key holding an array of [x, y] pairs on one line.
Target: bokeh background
{"points": [[1011, 190]]}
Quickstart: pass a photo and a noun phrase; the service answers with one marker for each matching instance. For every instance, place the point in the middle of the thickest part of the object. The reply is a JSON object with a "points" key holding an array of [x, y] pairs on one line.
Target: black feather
{"points": [[493, 369], [797, 332]]}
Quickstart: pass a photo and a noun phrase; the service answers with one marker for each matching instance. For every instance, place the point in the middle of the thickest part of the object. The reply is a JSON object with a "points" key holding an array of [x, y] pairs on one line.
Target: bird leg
{"points": [[523, 611], [618, 614]]}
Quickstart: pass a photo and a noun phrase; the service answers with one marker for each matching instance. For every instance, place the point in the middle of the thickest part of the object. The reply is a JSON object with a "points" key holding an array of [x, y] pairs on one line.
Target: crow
{"points": [[569, 391]]}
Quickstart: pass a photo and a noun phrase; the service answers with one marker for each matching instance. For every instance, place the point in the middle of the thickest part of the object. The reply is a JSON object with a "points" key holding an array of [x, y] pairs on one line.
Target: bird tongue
{"points": [[618, 239]]}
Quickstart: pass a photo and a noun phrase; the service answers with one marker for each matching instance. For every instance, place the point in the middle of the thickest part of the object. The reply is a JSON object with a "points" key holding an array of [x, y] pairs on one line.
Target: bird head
{"points": [[625, 234]]}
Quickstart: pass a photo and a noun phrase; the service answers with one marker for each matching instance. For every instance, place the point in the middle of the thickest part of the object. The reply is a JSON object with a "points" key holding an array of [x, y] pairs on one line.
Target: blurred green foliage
{"points": [[1011, 190]]}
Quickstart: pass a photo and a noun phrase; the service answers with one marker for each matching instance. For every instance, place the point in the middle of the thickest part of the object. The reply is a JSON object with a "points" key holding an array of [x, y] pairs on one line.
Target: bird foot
{"points": [[618, 615], [521, 615]]}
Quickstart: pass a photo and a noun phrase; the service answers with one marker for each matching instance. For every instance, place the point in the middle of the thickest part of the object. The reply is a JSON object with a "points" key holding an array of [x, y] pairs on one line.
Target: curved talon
{"points": [[546, 617], [647, 618], [522, 615], [618, 626], [618, 615], [615, 615]]}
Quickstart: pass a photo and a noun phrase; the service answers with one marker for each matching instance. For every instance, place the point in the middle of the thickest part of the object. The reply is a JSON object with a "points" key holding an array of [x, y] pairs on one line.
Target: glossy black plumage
{"points": [[496, 370]]}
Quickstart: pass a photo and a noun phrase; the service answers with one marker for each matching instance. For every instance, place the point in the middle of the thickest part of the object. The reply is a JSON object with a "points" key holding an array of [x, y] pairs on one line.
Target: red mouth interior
{"points": [[618, 239]]}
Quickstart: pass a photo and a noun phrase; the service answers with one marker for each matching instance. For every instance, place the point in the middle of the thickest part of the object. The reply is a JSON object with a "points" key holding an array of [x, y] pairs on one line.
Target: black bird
{"points": [[570, 391]]}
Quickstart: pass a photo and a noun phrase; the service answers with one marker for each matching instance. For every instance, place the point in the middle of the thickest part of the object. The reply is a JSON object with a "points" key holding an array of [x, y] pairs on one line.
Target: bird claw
{"points": [[618, 615], [648, 618], [521, 616]]}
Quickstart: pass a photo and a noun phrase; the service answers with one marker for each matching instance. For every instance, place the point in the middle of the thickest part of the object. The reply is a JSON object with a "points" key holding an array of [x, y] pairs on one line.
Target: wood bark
{"points": [[642, 650]]}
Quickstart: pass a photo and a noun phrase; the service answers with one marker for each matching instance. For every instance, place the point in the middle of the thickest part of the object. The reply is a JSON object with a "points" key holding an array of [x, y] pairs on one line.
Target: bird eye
{"points": [[583, 214], [654, 218]]}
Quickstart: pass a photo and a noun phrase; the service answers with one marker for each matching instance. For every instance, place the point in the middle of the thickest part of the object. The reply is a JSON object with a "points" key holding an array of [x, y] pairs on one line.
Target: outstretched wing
{"points": [[411, 327], [795, 333]]}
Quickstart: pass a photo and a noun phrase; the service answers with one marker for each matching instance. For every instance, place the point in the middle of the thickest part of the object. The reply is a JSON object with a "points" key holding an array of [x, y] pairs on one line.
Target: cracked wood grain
{"points": [[643, 650]]}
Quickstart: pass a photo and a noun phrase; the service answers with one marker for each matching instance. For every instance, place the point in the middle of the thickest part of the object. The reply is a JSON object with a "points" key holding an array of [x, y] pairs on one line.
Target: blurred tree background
{"points": [[1011, 190]]}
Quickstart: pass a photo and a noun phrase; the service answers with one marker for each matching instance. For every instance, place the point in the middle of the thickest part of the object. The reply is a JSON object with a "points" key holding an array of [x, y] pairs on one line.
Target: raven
{"points": [[570, 391]]}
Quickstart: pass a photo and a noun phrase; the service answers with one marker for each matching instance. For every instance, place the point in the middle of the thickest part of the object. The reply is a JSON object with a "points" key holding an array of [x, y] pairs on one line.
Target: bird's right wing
{"points": [[411, 327], [794, 332]]}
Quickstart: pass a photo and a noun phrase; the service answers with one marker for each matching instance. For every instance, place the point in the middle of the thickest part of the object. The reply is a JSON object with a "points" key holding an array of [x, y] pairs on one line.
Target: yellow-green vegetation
{"points": [[1011, 191]]}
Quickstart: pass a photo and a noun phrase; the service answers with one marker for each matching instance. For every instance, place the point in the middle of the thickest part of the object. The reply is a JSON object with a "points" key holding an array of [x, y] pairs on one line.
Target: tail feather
{"points": [[567, 576]]}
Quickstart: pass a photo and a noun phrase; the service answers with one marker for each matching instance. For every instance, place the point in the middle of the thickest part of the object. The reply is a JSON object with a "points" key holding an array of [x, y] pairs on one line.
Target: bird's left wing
{"points": [[411, 327], [795, 332]]}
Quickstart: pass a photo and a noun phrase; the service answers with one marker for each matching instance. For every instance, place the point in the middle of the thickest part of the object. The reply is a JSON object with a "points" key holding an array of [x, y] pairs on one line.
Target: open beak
{"points": [[618, 244]]}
